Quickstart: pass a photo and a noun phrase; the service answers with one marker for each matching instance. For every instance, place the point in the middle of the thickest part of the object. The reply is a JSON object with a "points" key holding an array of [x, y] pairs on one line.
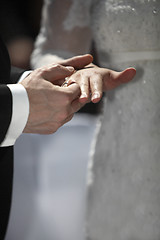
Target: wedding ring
{"points": [[65, 84]]}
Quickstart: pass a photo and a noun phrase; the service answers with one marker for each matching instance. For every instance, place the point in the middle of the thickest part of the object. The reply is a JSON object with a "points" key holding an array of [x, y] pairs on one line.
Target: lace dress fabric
{"points": [[65, 31]]}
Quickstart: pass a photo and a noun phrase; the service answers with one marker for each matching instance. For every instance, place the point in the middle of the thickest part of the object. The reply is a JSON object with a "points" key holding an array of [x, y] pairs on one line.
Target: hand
{"points": [[50, 106], [78, 62], [93, 81]]}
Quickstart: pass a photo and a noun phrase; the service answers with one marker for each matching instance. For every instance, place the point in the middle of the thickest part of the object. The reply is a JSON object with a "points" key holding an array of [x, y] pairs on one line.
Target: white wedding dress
{"points": [[124, 196], [124, 171]]}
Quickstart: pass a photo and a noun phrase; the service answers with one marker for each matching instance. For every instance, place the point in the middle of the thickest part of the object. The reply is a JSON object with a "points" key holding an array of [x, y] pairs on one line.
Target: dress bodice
{"points": [[126, 26]]}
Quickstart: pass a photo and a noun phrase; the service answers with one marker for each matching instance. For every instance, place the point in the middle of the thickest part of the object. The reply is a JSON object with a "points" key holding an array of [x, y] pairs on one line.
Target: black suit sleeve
{"points": [[7, 76], [5, 95], [6, 103], [5, 109]]}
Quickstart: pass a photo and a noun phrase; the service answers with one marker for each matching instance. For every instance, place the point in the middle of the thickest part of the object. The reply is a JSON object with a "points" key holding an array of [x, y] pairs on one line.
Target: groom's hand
{"points": [[50, 105]]}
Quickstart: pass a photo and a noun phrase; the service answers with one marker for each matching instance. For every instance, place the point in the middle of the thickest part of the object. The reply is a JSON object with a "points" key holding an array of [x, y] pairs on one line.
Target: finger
{"points": [[78, 62], [84, 86], [59, 82], [85, 89], [114, 79], [76, 105], [96, 86], [67, 82], [57, 72], [73, 90]]}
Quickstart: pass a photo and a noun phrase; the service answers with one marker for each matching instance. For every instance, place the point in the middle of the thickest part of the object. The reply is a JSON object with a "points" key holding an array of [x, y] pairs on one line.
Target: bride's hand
{"points": [[93, 81]]}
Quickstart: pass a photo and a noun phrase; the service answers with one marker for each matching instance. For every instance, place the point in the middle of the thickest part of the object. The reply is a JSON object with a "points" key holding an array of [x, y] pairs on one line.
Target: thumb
{"points": [[78, 62], [74, 91], [57, 72], [114, 79]]}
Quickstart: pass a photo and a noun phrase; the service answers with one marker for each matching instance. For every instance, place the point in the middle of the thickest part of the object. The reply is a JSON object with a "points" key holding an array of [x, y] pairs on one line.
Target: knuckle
{"points": [[42, 71], [57, 126], [95, 76], [78, 75], [52, 127], [84, 84], [39, 71], [57, 65], [70, 117], [50, 130], [63, 116]]}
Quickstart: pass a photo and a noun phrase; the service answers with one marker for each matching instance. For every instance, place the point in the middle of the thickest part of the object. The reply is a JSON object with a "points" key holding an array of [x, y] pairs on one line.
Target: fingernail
{"points": [[70, 68], [95, 96], [83, 95]]}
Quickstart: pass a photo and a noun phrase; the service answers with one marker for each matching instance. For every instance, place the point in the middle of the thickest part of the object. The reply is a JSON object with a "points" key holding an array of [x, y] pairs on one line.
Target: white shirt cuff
{"points": [[24, 75], [20, 112]]}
